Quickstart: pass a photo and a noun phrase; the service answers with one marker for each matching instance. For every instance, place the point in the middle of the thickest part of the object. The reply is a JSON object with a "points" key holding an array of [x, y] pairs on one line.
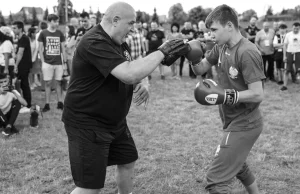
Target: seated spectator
{"points": [[10, 105]]}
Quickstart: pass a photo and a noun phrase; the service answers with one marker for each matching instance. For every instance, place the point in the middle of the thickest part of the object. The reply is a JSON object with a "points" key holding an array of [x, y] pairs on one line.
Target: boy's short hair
{"points": [[282, 26], [52, 17], [19, 24], [3, 75], [85, 14], [43, 25], [296, 24], [222, 14]]}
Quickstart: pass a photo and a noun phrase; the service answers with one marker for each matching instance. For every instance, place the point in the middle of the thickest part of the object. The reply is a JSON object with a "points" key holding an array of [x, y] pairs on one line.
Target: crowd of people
{"points": [[104, 72]]}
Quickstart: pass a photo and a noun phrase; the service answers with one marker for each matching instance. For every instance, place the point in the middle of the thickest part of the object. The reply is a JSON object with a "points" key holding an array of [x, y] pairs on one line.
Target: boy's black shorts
{"points": [[92, 150]]}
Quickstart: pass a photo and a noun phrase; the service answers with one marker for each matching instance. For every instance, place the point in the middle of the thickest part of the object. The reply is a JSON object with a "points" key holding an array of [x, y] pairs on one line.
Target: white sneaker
{"points": [[24, 110]]}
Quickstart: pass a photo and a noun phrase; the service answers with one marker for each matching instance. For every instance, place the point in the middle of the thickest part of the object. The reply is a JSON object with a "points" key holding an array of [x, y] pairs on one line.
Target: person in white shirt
{"points": [[278, 56], [291, 54], [10, 105], [7, 52]]}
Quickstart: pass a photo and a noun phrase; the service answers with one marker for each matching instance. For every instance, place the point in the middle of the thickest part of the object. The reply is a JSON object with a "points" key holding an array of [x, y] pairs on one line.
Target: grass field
{"points": [[176, 139]]}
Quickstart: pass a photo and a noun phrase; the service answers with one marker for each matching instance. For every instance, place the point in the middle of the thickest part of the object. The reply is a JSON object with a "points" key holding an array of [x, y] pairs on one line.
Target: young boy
{"points": [[10, 105]]}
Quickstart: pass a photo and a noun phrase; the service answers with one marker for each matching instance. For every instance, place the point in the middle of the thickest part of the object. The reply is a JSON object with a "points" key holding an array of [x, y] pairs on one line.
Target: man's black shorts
{"points": [[291, 59], [92, 150]]}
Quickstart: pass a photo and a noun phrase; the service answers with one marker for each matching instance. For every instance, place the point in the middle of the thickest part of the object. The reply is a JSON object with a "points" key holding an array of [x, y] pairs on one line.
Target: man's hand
{"points": [[174, 47], [142, 94]]}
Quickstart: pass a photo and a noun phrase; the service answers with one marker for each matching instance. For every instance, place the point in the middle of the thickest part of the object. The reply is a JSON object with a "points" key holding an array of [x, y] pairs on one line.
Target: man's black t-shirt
{"points": [[187, 32], [252, 32], [155, 38], [95, 98], [26, 61], [81, 31]]}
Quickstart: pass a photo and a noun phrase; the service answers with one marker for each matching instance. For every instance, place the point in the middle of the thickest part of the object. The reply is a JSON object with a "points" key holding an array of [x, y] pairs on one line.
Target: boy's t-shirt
{"points": [[5, 101], [52, 46]]}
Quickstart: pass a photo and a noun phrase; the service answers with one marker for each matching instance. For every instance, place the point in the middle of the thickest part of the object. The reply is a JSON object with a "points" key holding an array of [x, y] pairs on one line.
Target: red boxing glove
{"points": [[194, 56], [209, 93]]}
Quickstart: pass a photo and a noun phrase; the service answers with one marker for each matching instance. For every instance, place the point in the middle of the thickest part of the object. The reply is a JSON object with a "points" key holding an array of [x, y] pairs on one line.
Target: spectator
{"points": [[278, 56], [199, 34], [155, 38], [252, 30], [52, 45], [195, 27], [291, 54], [93, 20], [139, 27], [34, 51], [70, 45], [38, 77], [10, 105], [75, 23], [136, 43], [7, 52], [264, 42], [188, 34], [23, 62], [86, 26], [175, 34]]}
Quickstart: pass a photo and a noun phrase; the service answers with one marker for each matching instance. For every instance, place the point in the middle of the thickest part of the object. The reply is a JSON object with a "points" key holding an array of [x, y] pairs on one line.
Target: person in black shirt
{"points": [[251, 30], [99, 96], [24, 60], [86, 26], [188, 34], [155, 38]]}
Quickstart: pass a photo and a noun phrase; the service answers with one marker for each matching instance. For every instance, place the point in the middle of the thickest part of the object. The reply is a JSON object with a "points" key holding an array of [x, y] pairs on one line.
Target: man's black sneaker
{"points": [[283, 88], [14, 129], [7, 132], [46, 108], [280, 82], [60, 105]]}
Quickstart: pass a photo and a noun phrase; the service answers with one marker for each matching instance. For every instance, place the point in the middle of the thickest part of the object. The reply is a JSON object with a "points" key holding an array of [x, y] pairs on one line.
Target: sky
{"points": [[162, 6]]}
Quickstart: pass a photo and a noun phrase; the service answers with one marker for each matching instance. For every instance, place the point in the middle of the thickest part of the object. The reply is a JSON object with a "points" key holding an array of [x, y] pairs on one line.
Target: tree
{"points": [[155, 17], [139, 16], [24, 17], [91, 11], [46, 13], [35, 21], [248, 14], [2, 20], [10, 18], [269, 11], [176, 14], [197, 14], [61, 10], [98, 16], [75, 14]]}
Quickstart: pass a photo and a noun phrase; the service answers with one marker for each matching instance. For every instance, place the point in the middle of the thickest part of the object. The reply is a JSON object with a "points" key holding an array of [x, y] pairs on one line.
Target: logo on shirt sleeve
{"points": [[233, 72]]}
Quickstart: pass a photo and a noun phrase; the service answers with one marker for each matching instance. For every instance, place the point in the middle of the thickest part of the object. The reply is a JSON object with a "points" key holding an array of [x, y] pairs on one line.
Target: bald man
{"points": [[99, 97], [264, 42]]}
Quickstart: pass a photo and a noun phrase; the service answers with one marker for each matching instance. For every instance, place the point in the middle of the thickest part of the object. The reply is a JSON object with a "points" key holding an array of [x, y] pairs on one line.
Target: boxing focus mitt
{"points": [[194, 56], [209, 93]]}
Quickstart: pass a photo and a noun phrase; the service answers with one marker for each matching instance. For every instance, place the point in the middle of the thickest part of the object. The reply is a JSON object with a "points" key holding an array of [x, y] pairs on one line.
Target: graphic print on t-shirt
{"points": [[52, 45]]}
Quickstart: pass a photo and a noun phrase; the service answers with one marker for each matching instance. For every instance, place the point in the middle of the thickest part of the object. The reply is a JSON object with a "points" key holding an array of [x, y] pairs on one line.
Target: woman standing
{"points": [[36, 66], [70, 45], [175, 34]]}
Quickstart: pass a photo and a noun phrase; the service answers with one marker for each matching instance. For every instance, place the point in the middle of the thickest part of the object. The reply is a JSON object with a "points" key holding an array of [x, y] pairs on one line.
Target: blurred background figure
{"points": [[252, 29], [70, 45], [175, 34], [35, 63]]}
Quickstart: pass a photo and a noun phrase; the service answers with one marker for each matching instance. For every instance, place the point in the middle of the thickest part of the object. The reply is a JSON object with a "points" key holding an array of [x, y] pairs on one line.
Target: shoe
{"points": [[14, 130], [60, 105], [162, 77], [24, 110], [7, 132], [149, 77], [280, 82], [283, 88], [46, 108]]}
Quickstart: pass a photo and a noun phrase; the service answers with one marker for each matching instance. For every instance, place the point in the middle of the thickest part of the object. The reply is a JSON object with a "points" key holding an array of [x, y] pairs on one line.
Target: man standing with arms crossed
{"points": [[291, 54], [51, 46], [240, 74], [98, 99]]}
